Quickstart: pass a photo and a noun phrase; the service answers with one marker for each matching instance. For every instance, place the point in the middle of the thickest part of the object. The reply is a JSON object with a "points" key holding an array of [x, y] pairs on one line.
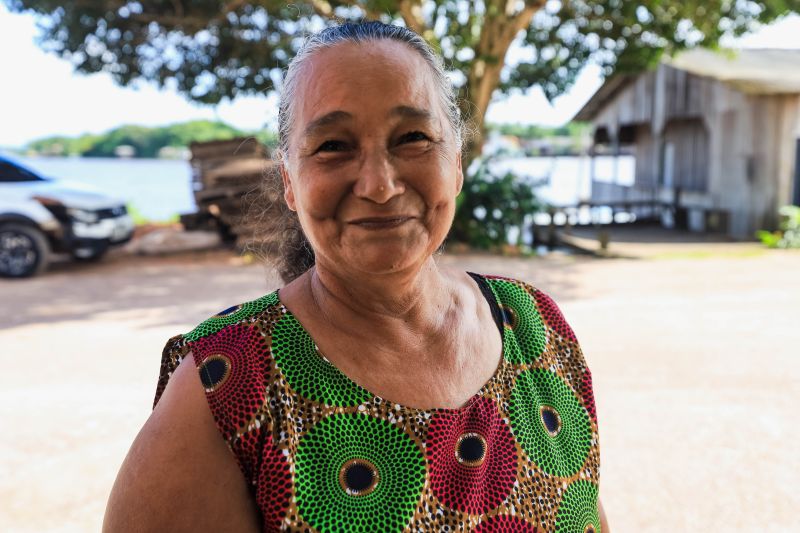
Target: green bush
{"points": [[789, 235], [490, 205], [139, 219]]}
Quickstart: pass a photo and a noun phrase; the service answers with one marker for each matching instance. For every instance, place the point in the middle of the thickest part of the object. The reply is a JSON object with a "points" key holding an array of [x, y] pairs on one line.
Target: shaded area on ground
{"points": [[182, 286]]}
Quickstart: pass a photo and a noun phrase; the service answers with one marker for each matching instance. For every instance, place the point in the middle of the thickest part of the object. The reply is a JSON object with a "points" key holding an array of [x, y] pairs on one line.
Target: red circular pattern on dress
{"points": [[505, 524], [587, 394], [236, 401], [471, 489], [266, 468], [274, 486], [552, 316]]}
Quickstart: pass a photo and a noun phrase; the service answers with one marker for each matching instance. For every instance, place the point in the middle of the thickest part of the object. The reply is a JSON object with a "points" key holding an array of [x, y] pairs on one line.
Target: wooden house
{"points": [[715, 136]]}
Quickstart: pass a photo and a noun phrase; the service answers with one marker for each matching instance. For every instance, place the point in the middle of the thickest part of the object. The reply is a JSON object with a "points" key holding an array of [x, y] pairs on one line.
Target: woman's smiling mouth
{"points": [[378, 223]]}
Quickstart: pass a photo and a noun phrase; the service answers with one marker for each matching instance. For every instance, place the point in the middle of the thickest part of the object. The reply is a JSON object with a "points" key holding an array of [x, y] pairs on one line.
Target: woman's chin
{"points": [[385, 258], [387, 262]]}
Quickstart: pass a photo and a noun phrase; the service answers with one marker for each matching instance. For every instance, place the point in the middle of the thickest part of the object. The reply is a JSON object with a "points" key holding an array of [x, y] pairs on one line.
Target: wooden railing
{"points": [[589, 214]]}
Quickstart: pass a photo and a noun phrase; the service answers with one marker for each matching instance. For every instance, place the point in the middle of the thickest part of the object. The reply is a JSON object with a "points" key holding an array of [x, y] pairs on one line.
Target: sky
{"points": [[41, 96]]}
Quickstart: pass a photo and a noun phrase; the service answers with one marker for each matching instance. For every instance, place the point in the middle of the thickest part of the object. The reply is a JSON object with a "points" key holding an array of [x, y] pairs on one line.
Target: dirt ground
{"points": [[695, 362]]}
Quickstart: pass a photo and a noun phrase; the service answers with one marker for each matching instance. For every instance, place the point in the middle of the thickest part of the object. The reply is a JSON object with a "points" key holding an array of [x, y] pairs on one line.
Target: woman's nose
{"points": [[377, 179]]}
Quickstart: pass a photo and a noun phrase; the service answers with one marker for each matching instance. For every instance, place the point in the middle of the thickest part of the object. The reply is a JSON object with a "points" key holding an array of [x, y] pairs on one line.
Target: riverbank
{"points": [[693, 362]]}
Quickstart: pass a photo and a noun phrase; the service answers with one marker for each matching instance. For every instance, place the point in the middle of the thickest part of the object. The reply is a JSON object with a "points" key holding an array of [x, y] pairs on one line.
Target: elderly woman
{"points": [[377, 391]]}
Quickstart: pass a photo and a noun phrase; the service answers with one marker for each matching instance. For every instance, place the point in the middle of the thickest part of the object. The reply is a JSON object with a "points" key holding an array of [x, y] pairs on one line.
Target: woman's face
{"points": [[373, 167]]}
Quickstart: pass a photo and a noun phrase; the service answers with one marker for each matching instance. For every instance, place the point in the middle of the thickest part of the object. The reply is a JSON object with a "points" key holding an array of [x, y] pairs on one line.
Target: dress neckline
{"points": [[495, 377]]}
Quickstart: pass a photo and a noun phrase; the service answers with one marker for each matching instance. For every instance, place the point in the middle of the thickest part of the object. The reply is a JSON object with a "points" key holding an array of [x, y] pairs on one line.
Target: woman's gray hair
{"points": [[294, 253]]}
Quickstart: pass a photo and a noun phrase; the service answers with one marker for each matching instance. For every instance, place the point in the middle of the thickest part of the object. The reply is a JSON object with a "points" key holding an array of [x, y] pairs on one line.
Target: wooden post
{"points": [[604, 238], [796, 199], [552, 236], [536, 237]]}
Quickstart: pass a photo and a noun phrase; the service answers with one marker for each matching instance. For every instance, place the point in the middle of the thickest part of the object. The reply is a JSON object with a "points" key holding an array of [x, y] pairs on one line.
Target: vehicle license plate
{"points": [[120, 231]]}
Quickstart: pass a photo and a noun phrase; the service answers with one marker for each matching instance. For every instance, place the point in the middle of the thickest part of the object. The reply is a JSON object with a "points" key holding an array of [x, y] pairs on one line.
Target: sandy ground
{"points": [[695, 362]]}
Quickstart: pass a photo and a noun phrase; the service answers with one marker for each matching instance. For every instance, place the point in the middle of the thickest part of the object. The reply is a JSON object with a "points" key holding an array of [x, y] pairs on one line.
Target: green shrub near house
{"points": [[789, 234], [490, 206]]}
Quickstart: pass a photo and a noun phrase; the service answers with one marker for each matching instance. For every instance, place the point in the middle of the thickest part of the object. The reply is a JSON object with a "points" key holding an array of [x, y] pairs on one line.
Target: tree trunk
{"points": [[499, 29], [501, 24]]}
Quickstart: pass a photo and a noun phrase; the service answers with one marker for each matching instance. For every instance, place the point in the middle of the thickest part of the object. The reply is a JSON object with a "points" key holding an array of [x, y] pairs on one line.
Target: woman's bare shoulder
{"points": [[179, 474]]}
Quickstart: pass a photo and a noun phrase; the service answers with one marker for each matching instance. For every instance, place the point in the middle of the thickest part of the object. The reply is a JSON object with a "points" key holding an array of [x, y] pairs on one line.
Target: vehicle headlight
{"points": [[82, 215]]}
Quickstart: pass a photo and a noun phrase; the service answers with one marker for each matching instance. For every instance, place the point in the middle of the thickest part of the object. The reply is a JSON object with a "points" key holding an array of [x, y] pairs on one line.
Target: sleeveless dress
{"points": [[321, 453]]}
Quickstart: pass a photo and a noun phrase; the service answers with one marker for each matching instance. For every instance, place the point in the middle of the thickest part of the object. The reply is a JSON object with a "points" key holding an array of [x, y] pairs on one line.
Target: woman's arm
{"points": [[179, 474], [603, 519]]}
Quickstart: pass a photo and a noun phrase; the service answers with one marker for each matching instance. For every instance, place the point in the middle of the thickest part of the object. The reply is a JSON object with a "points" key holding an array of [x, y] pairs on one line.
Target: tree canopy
{"points": [[210, 50], [146, 142]]}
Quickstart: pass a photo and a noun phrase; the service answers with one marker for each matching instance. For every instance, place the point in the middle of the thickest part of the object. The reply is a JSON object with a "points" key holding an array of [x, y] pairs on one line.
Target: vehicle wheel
{"points": [[23, 251]]}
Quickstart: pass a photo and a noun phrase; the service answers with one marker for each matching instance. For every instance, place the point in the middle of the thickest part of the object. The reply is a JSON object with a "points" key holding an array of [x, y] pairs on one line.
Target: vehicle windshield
{"points": [[10, 172]]}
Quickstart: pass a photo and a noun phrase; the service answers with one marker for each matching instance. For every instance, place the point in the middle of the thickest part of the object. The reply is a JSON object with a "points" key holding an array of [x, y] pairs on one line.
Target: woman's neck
{"points": [[414, 301], [419, 341]]}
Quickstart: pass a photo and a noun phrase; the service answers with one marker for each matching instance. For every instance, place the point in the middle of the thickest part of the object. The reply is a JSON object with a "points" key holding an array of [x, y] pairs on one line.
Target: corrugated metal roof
{"points": [[752, 71]]}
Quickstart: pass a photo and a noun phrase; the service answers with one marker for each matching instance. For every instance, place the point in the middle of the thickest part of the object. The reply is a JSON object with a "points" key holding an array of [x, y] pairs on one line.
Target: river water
{"points": [[161, 188], [156, 188]]}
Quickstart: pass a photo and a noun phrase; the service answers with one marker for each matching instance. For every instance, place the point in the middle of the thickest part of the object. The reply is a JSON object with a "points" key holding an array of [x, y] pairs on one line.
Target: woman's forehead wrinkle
{"points": [[331, 78], [407, 111]]}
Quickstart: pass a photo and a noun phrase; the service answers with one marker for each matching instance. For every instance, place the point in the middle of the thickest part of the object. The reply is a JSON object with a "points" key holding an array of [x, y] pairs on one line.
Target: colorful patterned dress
{"points": [[321, 453]]}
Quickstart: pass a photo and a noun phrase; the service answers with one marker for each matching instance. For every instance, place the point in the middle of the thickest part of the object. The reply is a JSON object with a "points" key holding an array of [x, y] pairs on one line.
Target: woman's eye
{"points": [[414, 136], [332, 146]]}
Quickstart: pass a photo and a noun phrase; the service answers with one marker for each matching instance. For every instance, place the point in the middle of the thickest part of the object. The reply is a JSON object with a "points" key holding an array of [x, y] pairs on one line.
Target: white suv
{"points": [[41, 215]]}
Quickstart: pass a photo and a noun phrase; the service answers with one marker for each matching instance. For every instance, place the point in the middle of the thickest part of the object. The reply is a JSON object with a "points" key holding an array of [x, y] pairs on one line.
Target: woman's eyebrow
{"points": [[339, 116], [326, 120]]}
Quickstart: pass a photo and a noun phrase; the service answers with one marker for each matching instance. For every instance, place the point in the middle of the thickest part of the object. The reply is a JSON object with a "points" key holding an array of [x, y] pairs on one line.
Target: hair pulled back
{"points": [[294, 253]]}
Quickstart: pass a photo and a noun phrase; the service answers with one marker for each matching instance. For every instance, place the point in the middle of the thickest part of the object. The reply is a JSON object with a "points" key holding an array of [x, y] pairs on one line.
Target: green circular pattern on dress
{"points": [[578, 508], [232, 315], [321, 454], [511, 349], [307, 372], [561, 454], [529, 332]]}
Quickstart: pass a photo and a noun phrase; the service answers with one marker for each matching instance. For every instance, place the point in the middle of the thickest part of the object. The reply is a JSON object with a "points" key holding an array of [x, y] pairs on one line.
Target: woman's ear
{"points": [[288, 192]]}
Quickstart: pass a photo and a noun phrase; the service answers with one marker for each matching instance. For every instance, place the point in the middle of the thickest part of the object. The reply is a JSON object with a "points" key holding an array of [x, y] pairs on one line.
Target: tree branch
{"points": [[498, 32], [322, 8], [525, 17], [177, 7], [179, 20], [411, 11], [171, 21], [233, 5]]}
